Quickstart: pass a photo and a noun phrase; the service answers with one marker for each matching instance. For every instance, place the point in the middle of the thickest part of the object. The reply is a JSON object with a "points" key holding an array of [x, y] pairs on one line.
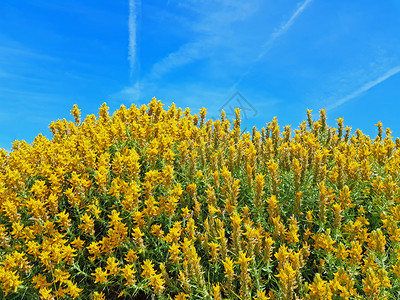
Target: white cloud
{"points": [[186, 54], [367, 86], [132, 36], [269, 43], [290, 22], [228, 38], [212, 33]]}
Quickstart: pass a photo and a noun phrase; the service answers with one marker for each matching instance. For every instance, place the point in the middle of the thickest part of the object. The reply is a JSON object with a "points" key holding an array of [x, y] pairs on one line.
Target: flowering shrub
{"points": [[162, 202]]}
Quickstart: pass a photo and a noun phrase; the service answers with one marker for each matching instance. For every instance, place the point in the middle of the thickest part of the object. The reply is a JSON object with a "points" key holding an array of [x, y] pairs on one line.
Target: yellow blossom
{"points": [[101, 276]]}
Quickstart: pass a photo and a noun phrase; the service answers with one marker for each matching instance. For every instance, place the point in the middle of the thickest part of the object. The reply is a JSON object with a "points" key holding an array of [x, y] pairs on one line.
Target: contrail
{"points": [[290, 22], [132, 37], [365, 87], [273, 37]]}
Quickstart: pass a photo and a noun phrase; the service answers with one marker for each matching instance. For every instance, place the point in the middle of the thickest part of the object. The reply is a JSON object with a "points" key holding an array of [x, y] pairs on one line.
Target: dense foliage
{"points": [[162, 202]]}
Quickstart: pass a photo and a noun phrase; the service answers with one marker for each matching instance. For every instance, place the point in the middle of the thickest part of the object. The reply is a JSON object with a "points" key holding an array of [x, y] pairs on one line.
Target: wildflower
{"points": [[268, 248], [273, 207], [229, 271], [262, 296], [292, 235], [174, 250], [297, 168], [148, 269], [157, 231], [181, 296], [128, 272], [112, 266], [273, 167], [157, 282], [99, 296], [355, 253], [60, 275], [174, 233], [17, 231], [72, 289], [244, 276], [101, 276], [259, 187], [10, 280], [64, 220], [185, 212], [287, 280], [183, 278], [216, 291], [87, 225], [191, 229], [342, 284], [377, 241], [341, 251], [137, 236], [319, 289], [236, 234], [214, 251], [396, 267], [324, 241], [40, 281], [77, 243], [76, 113], [45, 293]]}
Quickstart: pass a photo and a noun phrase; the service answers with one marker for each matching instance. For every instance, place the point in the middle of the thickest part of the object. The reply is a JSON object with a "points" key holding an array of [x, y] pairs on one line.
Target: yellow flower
{"points": [[87, 225], [99, 296], [59, 293], [171, 204], [157, 282], [72, 289], [45, 294], [282, 255], [342, 284], [214, 251], [77, 243], [10, 280], [174, 233], [324, 241], [261, 295], [131, 256], [236, 220], [128, 273], [68, 254], [157, 231], [181, 296], [17, 230], [243, 260], [40, 281], [148, 269], [112, 266], [76, 113], [371, 284], [341, 251], [60, 275], [292, 235], [101, 276], [174, 250], [377, 241], [216, 291], [355, 253], [287, 282], [228, 265], [64, 220], [94, 250], [319, 289]]}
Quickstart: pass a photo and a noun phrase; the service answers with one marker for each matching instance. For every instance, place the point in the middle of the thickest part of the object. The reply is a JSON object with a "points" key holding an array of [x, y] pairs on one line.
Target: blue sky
{"points": [[282, 57]]}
